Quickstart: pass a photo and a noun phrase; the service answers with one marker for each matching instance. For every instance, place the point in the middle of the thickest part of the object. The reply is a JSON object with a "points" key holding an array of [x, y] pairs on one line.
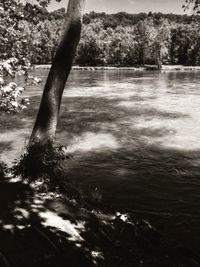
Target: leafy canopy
{"points": [[15, 50], [195, 3]]}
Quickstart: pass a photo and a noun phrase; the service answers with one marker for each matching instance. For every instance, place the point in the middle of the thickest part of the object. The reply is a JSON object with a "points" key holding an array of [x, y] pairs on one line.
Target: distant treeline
{"points": [[120, 39]]}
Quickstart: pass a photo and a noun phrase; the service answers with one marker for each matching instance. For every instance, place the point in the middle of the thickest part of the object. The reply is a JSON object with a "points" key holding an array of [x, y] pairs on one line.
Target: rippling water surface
{"points": [[135, 136]]}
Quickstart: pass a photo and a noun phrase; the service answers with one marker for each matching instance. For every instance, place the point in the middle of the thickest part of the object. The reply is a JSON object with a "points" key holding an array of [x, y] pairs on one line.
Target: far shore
{"points": [[146, 67]]}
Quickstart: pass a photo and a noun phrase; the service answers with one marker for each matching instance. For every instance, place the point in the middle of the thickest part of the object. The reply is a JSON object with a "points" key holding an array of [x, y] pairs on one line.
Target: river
{"points": [[135, 137]]}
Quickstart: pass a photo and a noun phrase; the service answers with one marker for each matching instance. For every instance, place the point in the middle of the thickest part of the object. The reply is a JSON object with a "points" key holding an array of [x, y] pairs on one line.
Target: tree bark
{"points": [[47, 117]]}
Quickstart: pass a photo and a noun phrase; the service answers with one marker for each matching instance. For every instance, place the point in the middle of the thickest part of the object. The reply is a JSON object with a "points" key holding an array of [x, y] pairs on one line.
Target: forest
{"points": [[120, 39]]}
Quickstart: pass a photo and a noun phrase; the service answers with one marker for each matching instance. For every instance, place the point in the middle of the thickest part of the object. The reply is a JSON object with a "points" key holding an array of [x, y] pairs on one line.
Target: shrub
{"points": [[10, 99], [3, 169], [41, 162]]}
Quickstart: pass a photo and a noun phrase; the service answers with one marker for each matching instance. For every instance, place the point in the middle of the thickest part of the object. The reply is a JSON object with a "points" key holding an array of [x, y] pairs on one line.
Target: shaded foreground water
{"points": [[135, 137]]}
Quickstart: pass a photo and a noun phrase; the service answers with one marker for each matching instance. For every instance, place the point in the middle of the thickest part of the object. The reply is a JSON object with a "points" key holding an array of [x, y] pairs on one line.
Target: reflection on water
{"points": [[134, 135]]}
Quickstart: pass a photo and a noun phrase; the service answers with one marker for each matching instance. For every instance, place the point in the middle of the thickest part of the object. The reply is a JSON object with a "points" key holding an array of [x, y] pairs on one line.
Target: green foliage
{"points": [[44, 40], [139, 44], [111, 39], [120, 39], [17, 22], [3, 169], [194, 3], [124, 19], [185, 47], [41, 162], [10, 100], [93, 47], [44, 167], [150, 39], [13, 55]]}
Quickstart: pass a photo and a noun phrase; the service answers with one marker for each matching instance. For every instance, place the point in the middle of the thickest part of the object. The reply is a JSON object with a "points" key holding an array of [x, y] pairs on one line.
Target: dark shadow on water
{"points": [[5, 146], [84, 114], [21, 120], [11, 122], [152, 182], [15, 130]]}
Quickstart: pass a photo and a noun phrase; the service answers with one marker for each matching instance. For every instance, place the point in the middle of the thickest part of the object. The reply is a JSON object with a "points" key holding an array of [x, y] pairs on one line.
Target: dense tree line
{"points": [[120, 39], [126, 19]]}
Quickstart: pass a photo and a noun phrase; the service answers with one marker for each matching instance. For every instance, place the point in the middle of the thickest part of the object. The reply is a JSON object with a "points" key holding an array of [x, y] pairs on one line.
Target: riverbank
{"points": [[146, 67], [41, 227]]}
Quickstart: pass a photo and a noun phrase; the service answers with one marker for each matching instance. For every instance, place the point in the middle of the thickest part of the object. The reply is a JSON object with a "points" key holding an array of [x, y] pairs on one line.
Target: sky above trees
{"points": [[130, 6]]}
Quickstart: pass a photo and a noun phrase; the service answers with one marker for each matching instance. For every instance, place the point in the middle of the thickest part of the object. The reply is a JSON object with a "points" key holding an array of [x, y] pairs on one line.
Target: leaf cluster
{"points": [[10, 98], [194, 3], [3, 170], [41, 162]]}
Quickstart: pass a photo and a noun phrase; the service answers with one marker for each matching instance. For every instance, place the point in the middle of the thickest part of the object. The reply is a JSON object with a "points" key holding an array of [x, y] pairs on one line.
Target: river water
{"points": [[135, 137]]}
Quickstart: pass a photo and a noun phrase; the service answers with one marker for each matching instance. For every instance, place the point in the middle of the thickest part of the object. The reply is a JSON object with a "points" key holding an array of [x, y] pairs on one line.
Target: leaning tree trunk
{"points": [[47, 118]]}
